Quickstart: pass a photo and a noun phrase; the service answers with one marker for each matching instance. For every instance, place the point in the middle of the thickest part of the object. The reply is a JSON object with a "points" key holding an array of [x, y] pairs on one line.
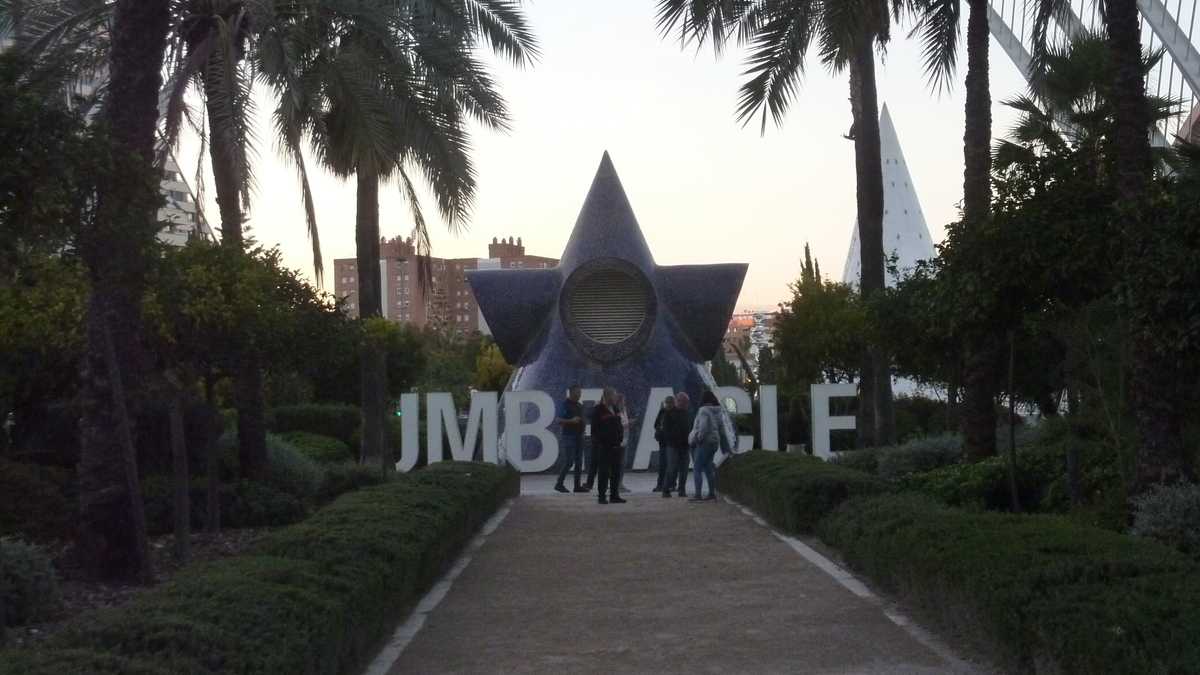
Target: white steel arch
{"points": [[1170, 25]]}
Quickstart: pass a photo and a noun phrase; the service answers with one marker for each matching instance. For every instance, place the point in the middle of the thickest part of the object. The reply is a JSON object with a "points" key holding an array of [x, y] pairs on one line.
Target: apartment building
{"points": [[445, 303]]}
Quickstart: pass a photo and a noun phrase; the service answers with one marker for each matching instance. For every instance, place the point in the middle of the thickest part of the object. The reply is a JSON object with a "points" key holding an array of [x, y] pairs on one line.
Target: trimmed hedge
{"points": [[327, 419], [792, 491], [36, 502], [28, 585], [1042, 593], [316, 597], [318, 448], [243, 504]]}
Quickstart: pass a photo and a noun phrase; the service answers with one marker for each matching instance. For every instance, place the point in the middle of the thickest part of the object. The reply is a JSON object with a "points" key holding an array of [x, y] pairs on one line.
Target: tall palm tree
{"points": [[1069, 104], [938, 28], [779, 33], [115, 246], [379, 97], [1159, 418]]}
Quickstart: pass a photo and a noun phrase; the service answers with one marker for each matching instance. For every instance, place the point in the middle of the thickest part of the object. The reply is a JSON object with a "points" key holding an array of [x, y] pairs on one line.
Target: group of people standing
{"points": [[682, 437]]}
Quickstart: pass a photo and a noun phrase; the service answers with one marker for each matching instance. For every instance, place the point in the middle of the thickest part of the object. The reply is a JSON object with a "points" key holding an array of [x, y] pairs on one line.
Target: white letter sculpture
{"points": [[822, 423], [443, 416], [515, 430]]}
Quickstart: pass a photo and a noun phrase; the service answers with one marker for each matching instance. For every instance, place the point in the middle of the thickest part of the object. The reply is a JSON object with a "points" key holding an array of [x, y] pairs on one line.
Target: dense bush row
{"points": [[1041, 593], [316, 597], [793, 491], [28, 587]]}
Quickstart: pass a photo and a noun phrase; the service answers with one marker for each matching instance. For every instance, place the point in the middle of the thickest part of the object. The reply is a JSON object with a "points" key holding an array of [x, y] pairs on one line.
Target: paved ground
{"points": [[565, 585]]}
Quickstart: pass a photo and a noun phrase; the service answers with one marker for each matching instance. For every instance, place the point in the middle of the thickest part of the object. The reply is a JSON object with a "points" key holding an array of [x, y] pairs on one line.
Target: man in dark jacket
{"points": [[607, 435], [677, 423], [570, 420]]}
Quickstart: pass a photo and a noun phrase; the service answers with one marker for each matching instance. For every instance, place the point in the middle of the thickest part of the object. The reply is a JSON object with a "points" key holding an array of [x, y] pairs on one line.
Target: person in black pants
{"points": [[677, 424], [607, 434], [570, 420], [667, 404]]}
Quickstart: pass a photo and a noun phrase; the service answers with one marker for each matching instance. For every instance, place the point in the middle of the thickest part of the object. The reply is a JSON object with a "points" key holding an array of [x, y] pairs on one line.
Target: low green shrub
{"points": [[318, 448], [984, 485], [865, 460], [792, 491], [28, 585], [327, 419], [243, 504], [290, 471], [345, 477], [316, 597], [1170, 514], [1041, 593], [36, 502], [919, 455]]}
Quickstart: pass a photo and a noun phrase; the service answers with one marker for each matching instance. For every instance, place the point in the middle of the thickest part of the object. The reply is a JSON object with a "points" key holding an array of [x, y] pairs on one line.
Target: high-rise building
{"points": [[180, 217], [446, 301]]}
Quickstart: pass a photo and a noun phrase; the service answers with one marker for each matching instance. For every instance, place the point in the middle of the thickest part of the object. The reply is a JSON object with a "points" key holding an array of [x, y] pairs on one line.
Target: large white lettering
{"points": [[768, 416], [515, 430], [410, 431], [822, 422], [482, 430], [442, 416]]}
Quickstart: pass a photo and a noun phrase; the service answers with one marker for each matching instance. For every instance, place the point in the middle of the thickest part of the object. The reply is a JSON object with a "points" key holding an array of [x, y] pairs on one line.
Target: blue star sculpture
{"points": [[607, 315]]}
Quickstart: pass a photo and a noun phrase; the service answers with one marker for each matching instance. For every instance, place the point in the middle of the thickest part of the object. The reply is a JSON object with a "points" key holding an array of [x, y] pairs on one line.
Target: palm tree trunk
{"points": [[116, 250], [370, 304], [248, 376], [980, 372], [1161, 457], [876, 382]]}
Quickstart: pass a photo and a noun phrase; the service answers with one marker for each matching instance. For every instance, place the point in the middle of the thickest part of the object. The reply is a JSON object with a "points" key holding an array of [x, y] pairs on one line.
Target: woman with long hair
{"points": [[708, 435]]}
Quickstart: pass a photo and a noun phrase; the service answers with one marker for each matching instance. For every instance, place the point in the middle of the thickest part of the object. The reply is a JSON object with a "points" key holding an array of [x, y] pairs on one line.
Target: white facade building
{"points": [[905, 234]]}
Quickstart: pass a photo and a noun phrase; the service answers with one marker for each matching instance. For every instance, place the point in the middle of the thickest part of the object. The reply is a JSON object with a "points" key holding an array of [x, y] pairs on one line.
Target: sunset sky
{"points": [[704, 188]]}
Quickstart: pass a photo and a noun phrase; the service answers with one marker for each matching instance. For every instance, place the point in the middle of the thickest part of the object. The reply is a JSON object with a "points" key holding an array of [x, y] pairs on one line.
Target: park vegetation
{"points": [[151, 391]]}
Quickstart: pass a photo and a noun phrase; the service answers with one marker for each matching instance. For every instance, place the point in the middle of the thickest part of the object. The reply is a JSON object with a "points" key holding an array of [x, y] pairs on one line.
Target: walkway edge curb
{"points": [[851, 583], [404, 634]]}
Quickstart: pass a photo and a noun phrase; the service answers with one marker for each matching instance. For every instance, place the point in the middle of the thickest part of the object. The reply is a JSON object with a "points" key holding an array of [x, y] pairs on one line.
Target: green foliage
{"points": [[404, 350], [318, 448], [316, 597], [491, 370], [1170, 514], [345, 477], [919, 455], [28, 585], [1038, 592], [985, 485], [865, 460], [451, 364], [791, 491], [918, 416], [820, 333], [35, 502], [243, 504], [326, 419], [289, 471]]}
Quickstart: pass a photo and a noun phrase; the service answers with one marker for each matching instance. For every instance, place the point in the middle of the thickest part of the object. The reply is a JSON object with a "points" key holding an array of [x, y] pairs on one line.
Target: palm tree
{"points": [[1069, 104], [1159, 418], [779, 33], [938, 28], [380, 97]]}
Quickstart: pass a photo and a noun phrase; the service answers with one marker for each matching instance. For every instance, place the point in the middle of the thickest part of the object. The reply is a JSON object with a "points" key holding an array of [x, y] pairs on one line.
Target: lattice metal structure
{"points": [[1170, 25]]}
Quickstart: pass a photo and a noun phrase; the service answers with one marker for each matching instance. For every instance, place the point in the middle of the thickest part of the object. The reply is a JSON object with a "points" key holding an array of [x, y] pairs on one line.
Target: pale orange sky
{"points": [[704, 189]]}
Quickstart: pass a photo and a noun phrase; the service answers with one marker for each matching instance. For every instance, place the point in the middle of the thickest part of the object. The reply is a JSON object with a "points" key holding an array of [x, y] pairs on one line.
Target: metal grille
{"points": [[609, 306]]}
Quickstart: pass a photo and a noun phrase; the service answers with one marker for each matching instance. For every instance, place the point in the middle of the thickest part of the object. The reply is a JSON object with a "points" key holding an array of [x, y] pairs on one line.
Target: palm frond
{"points": [[505, 29], [937, 28], [775, 64]]}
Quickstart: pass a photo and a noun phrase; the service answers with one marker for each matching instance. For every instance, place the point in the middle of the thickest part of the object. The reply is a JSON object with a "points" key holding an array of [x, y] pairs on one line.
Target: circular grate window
{"points": [[609, 305]]}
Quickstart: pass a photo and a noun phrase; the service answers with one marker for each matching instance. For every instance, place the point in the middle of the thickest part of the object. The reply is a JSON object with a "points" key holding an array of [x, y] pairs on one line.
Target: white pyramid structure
{"points": [[905, 234]]}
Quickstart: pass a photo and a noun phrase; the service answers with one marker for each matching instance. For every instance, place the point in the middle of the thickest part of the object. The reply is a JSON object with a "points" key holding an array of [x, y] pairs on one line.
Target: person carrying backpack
{"points": [[708, 435]]}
